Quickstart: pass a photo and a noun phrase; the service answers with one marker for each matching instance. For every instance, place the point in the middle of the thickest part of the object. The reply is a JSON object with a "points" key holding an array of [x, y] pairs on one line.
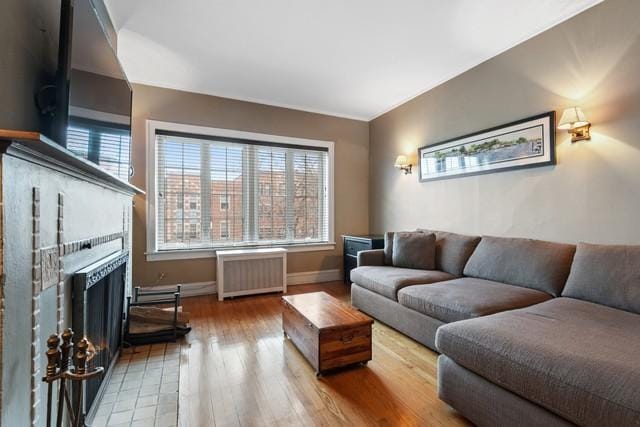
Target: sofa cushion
{"points": [[466, 298], [414, 250], [606, 274], [387, 281], [453, 250], [370, 257], [575, 358], [388, 248], [529, 263]]}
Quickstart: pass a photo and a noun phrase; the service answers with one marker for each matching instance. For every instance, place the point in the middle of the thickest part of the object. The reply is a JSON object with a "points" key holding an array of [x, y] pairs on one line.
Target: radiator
{"points": [[251, 271]]}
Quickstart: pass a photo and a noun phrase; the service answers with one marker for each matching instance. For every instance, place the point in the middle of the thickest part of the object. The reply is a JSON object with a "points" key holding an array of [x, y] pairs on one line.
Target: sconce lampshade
{"points": [[572, 118], [401, 161]]}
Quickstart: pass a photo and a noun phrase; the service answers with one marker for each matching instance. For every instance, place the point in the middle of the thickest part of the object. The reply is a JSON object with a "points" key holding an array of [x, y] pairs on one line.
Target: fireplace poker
{"points": [[81, 369], [66, 350], [53, 358]]}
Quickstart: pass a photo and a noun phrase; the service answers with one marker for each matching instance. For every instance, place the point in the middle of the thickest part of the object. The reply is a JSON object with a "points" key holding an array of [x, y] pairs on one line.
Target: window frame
{"points": [[153, 254]]}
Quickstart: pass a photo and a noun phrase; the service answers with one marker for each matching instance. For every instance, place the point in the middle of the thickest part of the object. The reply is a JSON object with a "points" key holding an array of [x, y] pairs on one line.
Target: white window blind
{"points": [[219, 192], [106, 144]]}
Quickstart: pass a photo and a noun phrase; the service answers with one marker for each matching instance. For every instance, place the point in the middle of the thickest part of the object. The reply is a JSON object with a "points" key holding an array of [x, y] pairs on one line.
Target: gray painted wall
{"points": [[593, 194]]}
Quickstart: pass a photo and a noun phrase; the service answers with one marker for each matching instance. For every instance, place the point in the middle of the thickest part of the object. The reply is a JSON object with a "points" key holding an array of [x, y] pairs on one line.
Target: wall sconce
{"points": [[574, 121], [403, 164]]}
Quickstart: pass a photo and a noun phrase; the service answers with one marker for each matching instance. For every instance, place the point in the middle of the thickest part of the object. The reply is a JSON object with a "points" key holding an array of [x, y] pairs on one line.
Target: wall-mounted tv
{"points": [[93, 113]]}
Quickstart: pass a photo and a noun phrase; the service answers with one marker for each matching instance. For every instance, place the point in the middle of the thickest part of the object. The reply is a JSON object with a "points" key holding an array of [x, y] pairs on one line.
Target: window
{"points": [[193, 231], [224, 202], [105, 144], [269, 190]]}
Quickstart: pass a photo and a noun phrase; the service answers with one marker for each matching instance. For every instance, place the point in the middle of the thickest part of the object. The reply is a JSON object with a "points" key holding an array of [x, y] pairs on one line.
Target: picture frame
{"points": [[521, 144]]}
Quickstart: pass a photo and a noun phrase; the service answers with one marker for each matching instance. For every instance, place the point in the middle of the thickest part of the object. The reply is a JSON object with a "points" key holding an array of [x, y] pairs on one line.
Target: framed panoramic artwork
{"points": [[525, 143]]}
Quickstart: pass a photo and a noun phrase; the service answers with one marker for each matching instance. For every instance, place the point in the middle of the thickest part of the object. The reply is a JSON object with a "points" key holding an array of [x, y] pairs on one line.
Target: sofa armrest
{"points": [[371, 257]]}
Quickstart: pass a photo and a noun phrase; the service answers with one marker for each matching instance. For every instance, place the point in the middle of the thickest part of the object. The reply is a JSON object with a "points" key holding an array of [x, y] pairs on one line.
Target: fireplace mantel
{"points": [[35, 147]]}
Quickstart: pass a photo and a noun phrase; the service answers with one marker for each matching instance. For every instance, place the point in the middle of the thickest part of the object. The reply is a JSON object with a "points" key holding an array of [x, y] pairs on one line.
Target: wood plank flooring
{"points": [[236, 369]]}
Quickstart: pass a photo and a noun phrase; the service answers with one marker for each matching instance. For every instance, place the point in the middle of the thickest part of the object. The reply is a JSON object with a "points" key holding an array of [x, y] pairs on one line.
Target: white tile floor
{"points": [[143, 390]]}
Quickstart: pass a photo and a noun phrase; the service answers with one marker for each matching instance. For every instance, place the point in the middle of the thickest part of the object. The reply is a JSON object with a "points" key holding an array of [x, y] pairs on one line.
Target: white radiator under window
{"points": [[251, 271]]}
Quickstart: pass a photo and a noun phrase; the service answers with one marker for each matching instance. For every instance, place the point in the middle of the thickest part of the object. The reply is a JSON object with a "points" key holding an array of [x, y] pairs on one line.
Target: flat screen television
{"points": [[93, 99]]}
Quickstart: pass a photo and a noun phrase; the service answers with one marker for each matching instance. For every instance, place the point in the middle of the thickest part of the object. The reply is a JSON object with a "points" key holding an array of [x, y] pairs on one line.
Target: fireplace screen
{"points": [[98, 307]]}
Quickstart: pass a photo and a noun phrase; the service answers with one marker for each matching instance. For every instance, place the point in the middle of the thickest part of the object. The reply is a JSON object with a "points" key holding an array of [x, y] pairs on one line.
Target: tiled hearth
{"points": [[143, 390]]}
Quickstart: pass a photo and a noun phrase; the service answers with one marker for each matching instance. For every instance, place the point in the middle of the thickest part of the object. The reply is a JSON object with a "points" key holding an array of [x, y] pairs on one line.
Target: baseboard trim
{"points": [[193, 289], [320, 276], [196, 289]]}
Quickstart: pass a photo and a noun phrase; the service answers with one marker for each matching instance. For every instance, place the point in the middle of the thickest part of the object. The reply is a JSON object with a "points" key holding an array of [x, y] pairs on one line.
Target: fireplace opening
{"points": [[98, 310]]}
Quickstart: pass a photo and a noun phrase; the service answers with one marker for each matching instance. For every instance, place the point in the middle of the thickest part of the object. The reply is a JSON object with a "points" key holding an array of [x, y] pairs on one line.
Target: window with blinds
{"points": [[105, 144], [216, 192]]}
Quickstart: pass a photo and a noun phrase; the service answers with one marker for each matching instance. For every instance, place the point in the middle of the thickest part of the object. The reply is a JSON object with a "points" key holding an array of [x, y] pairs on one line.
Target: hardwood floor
{"points": [[236, 369]]}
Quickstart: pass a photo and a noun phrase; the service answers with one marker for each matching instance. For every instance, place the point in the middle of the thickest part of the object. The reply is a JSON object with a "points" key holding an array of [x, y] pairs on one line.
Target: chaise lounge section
{"points": [[570, 360]]}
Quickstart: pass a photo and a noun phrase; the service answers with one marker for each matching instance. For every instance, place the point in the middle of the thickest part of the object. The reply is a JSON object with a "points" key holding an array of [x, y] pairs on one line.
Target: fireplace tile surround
{"points": [[143, 390]]}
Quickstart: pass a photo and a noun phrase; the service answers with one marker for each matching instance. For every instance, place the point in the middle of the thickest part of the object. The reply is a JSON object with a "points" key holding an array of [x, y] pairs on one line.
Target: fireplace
{"points": [[98, 307], [59, 214]]}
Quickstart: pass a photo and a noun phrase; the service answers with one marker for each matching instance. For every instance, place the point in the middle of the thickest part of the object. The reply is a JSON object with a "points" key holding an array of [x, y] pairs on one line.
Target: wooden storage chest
{"points": [[329, 333]]}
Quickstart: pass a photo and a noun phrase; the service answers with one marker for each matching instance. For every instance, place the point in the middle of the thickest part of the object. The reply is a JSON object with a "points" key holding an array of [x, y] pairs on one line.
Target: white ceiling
{"points": [[350, 58]]}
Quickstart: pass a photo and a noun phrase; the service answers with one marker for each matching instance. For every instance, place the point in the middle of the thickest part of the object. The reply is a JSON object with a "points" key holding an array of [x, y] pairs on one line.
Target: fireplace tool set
{"points": [[66, 367]]}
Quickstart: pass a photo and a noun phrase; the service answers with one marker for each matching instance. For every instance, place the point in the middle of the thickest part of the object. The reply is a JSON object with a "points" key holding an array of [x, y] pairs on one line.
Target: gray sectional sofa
{"points": [[530, 332]]}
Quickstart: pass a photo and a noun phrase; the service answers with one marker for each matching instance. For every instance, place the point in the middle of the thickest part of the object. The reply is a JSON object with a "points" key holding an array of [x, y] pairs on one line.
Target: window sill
{"points": [[211, 253]]}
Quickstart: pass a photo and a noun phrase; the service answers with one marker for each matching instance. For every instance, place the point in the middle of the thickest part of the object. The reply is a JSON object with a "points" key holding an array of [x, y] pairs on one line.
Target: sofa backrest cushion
{"points": [[388, 248], [414, 250], [453, 250], [607, 275], [529, 263]]}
